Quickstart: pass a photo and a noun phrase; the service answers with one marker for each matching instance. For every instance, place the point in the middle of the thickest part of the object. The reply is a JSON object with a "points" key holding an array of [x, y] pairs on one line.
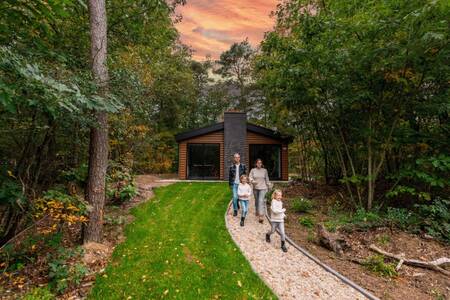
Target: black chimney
{"points": [[235, 137]]}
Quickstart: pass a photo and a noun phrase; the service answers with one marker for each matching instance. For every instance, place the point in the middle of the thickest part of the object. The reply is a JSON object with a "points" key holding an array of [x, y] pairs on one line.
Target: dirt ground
{"points": [[411, 283]]}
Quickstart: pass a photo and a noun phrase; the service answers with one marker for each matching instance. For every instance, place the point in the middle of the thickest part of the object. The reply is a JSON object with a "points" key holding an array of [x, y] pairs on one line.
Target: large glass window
{"points": [[271, 157], [203, 161]]}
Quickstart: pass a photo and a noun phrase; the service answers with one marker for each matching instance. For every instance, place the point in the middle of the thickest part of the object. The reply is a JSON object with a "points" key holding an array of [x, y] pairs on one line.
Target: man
{"points": [[235, 172]]}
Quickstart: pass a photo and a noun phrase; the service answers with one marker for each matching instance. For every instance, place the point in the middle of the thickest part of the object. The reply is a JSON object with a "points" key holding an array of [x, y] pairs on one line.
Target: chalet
{"points": [[207, 152]]}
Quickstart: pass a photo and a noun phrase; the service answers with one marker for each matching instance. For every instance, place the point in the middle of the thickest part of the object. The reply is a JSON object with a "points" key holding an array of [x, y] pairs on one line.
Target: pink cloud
{"points": [[211, 26]]}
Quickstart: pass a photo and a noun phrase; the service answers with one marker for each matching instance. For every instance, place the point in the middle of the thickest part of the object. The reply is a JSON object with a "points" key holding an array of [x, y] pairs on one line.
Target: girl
{"points": [[259, 177], [277, 218], [244, 192]]}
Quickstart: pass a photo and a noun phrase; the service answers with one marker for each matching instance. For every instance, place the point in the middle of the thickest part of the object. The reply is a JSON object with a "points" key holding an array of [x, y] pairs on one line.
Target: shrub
{"points": [[62, 209], [311, 237], [384, 239], [121, 186], [400, 217], [62, 273], [77, 175], [436, 218], [365, 216], [301, 205], [39, 294], [307, 222], [376, 264]]}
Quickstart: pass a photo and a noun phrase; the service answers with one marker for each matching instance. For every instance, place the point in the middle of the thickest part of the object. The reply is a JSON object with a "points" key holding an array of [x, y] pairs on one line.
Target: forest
{"points": [[363, 86]]}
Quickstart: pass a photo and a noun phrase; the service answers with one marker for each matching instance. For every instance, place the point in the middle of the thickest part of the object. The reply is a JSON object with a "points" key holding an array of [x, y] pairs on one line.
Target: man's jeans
{"points": [[234, 187]]}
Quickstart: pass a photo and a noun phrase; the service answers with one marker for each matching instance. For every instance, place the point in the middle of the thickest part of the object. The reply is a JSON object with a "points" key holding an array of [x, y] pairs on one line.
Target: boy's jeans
{"points": [[244, 205], [234, 187]]}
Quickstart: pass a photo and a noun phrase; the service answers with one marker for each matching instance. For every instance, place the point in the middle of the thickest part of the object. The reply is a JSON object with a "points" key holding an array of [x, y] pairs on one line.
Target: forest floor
{"points": [[33, 273], [178, 247], [410, 283]]}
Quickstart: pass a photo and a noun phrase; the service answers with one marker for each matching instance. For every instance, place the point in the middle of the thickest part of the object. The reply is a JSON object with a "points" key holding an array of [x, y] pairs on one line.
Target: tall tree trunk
{"points": [[370, 175], [98, 146]]}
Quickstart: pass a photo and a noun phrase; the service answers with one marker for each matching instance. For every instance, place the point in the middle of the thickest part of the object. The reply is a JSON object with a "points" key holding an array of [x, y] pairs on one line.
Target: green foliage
{"points": [[422, 177], [376, 264], [68, 201], [11, 193], [436, 218], [401, 218], [56, 97], [362, 216], [302, 205], [311, 237], [384, 239], [39, 293], [307, 222], [121, 186], [78, 175], [365, 83], [63, 272]]}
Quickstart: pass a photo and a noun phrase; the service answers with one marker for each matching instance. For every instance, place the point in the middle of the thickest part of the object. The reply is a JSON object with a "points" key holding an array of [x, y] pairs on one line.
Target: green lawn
{"points": [[178, 247]]}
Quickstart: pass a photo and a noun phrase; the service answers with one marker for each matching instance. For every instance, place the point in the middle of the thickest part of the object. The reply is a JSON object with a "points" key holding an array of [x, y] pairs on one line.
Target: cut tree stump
{"points": [[331, 241], [432, 265]]}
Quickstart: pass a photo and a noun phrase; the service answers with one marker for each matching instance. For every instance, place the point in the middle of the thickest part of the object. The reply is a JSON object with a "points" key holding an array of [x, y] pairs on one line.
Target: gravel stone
{"points": [[290, 275]]}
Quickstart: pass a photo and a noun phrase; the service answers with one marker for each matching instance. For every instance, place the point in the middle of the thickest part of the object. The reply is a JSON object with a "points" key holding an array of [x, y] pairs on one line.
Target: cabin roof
{"points": [[219, 126]]}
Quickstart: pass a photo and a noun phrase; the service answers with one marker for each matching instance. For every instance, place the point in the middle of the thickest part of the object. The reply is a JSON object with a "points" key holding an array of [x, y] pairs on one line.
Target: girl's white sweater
{"points": [[277, 214]]}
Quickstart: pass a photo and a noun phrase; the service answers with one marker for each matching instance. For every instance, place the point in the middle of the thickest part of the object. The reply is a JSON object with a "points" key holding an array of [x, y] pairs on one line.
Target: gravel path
{"points": [[291, 275]]}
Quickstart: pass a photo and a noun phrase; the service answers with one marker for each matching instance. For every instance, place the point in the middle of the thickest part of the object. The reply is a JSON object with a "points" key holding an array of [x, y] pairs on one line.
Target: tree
{"points": [[368, 82], [235, 65], [98, 147]]}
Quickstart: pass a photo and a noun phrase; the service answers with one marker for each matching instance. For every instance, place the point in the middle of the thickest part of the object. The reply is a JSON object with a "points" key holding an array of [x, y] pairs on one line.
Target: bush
{"points": [[307, 222], [384, 239], [365, 216], [62, 209], [77, 175], [62, 273], [301, 205], [121, 186], [376, 264], [400, 217], [436, 218], [39, 294]]}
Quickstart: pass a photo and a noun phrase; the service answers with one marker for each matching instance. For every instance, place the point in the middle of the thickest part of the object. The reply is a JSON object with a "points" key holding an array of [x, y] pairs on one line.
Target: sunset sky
{"points": [[211, 26]]}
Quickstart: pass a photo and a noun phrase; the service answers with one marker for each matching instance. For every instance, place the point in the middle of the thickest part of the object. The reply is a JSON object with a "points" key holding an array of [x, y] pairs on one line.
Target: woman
{"points": [[259, 177]]}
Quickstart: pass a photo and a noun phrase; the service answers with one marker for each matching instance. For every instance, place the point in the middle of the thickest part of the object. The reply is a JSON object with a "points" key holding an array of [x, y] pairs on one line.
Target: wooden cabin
{"points": [[207, 152]]}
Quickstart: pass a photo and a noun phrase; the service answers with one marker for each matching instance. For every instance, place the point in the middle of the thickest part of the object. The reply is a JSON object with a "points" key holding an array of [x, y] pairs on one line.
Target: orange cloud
{"points": [[209, 27]]}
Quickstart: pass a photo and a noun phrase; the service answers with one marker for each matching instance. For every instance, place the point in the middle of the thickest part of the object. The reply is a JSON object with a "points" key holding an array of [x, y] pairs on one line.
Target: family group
{"points": [[258, 184]]}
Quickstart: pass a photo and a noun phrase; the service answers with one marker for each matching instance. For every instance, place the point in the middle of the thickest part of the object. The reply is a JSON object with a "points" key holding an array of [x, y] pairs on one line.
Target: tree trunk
{"points": [[98, 146]]}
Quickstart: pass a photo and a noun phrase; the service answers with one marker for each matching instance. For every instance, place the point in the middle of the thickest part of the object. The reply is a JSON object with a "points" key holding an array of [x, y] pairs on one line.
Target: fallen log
{"points": [[432, 265], [331, 241]]}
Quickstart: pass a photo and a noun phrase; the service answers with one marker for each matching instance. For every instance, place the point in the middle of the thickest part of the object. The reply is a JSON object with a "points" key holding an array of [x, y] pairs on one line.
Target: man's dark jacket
{"points": [[232, 172]]}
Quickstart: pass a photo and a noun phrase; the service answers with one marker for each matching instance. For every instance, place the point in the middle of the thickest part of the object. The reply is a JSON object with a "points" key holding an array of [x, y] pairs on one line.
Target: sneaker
{"points": [[283, 246], [234, 213], [267, 237], [242, 221]]}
